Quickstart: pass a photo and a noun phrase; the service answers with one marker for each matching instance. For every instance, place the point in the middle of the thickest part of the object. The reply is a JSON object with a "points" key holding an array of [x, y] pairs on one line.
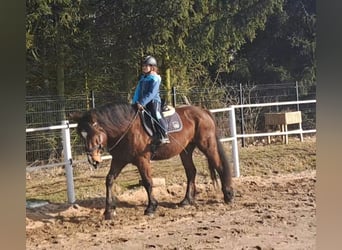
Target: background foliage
{"points": [[77, 46]]}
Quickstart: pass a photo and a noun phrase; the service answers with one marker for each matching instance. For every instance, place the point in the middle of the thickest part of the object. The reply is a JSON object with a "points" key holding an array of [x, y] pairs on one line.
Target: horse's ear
{"points": [[75, 116]]}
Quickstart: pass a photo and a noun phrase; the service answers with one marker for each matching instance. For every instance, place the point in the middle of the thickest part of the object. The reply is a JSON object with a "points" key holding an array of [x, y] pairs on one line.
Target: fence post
{"points": [[93, 99], [297, 95], [174, 96], [300, 124], [68, 161], [242, 116], [232, 124]]}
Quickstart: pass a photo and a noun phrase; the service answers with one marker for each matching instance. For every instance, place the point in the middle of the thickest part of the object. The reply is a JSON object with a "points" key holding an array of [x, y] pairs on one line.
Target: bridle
{"points": [[99, 146], [89, 151]]}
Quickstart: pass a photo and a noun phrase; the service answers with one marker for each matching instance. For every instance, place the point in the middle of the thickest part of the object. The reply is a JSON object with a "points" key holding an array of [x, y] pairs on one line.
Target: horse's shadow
{"points": [[99, 203], [54, 211]]}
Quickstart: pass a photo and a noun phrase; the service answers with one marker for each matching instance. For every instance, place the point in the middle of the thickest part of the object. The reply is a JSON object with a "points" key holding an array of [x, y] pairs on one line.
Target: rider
{"points": [[146, 96]]}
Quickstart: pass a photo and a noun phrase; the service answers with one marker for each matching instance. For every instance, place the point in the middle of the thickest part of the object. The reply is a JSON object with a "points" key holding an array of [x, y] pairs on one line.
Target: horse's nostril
{"points": [[95, 164]]}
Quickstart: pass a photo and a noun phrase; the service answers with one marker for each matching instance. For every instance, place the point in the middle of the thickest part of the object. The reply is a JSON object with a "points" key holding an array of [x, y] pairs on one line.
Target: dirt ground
{"points": [[269, 212]]}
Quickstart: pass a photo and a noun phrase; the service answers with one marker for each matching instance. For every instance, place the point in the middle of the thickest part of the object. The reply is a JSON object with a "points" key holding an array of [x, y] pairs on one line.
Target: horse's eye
{"points": [[99, 139]]}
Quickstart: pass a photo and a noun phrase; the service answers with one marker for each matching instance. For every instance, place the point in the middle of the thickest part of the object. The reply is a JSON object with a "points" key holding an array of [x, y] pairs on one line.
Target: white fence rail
{"points": [[65, 127]]}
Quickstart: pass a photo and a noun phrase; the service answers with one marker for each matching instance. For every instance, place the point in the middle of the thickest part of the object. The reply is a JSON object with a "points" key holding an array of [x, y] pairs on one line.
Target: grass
{"points": [[278, 159]]}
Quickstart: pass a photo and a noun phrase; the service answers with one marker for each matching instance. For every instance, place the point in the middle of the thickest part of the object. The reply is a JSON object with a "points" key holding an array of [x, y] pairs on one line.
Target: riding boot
{"points": [[164, 139], [162, 129]]}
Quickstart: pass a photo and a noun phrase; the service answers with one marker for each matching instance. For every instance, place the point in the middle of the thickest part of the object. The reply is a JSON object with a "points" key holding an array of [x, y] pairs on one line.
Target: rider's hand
{"points": [[140, 107]]}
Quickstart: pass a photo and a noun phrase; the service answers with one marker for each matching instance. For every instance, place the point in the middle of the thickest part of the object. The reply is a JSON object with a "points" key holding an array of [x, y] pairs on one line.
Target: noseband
{"points": [[89, 151]]}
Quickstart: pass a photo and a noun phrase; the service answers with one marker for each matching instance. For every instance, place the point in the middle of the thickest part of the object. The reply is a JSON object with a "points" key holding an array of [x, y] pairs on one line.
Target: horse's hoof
{"points": [[108, 215], [185, 203], [149, 213], [228, 197]]}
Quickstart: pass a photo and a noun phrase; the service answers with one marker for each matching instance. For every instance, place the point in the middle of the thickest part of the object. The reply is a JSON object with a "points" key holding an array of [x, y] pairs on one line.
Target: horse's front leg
{"points": [[113, 173], [144, 168]]}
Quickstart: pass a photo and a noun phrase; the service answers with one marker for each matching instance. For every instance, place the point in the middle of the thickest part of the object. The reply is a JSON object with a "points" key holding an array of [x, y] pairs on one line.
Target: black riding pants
{"points": [[155, 110]]}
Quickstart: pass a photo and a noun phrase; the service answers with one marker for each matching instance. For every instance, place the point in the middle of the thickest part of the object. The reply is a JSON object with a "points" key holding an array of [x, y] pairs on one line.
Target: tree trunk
{"points": [[167, 80]]}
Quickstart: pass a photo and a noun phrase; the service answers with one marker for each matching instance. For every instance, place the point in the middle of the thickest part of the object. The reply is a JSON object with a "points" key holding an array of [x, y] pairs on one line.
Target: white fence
{"points": [[65, 127], [234, 136]]}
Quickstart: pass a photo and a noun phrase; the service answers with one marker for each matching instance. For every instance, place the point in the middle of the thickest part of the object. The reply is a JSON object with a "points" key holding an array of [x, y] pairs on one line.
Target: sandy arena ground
{"points": [[271, 212]]}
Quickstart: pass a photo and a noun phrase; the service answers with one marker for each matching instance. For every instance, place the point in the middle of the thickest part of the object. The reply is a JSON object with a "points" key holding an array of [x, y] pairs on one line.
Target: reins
{"points": [[126, 131], [130, 125]]}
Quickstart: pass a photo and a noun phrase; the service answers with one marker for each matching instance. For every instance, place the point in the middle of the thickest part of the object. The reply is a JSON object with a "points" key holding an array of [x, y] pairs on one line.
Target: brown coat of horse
{"points": [[119, 128]]}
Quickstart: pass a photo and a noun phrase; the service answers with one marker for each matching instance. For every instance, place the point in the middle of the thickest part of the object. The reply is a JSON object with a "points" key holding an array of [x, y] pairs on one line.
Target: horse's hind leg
{"points": [[144, 168], [190, 171]]}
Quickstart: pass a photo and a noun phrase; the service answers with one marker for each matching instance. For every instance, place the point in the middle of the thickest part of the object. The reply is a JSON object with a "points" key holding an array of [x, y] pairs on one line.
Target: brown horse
{"points": [[119, 128]]}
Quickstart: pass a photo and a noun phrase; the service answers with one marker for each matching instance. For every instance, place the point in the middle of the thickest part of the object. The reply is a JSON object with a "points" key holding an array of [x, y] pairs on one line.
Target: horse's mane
{"points": [[112, 117]]}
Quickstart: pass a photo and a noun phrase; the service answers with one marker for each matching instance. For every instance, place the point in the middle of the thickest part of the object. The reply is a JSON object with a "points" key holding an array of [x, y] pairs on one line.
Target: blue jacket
{"points": [[147, 89]]}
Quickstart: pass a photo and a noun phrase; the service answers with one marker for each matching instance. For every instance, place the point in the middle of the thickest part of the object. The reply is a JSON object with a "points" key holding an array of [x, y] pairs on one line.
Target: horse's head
{"points": [[94, 136]]}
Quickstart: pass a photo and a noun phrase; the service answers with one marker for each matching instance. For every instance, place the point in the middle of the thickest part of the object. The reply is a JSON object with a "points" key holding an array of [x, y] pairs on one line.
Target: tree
{"points": [[284, 51], [192, 39], [99, 44], [53, 33]]}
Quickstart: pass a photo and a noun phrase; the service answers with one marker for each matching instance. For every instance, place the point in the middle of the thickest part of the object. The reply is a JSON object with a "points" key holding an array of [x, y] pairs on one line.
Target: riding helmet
{"points": [[150, 60]]}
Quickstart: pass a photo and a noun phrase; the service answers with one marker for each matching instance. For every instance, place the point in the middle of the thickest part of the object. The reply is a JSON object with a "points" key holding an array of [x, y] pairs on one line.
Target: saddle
{"points": [[173, 121]]}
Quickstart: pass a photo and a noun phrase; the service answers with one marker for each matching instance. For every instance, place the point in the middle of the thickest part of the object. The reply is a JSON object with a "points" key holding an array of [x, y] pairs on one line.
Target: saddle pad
{"points": [[147, 122], [174, 123]]}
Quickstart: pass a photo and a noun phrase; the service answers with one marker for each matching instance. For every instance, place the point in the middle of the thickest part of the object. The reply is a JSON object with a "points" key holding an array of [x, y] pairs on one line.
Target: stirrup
{"points": [[164, 140]]}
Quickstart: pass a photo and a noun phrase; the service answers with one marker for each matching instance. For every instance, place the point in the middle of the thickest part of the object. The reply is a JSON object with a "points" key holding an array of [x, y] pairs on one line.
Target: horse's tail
{"points": [[226, 175]]}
